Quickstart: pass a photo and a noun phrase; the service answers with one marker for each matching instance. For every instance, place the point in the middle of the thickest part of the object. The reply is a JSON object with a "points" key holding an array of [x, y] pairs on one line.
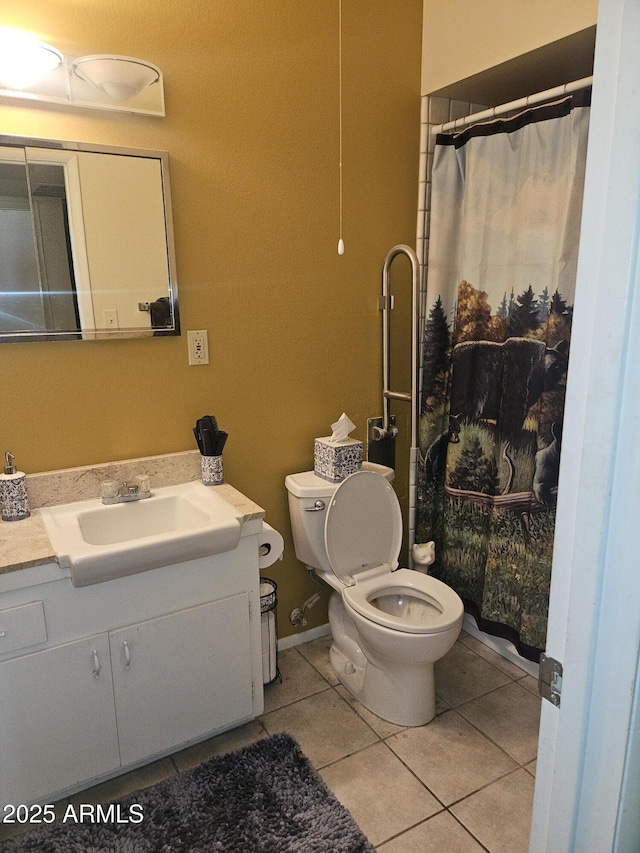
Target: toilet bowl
{"points": [[389, 625]]}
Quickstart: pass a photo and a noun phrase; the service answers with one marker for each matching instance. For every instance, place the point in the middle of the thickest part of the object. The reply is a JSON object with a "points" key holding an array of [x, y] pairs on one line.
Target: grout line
{"points": [[412, 771], [402, 832], [265, 713], [523, 673], [492, 741], [466, 829], [360, 717], [347, 755], [488, 693], [483, 787], [447, 808]]}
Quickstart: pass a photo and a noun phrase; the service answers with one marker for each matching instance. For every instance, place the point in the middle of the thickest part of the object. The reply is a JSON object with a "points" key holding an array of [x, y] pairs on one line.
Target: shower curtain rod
{"points": [[529, 101]]}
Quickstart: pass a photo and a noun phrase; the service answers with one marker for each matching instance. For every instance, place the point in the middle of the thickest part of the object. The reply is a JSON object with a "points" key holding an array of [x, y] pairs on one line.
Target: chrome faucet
{"points": [[112, 493]]}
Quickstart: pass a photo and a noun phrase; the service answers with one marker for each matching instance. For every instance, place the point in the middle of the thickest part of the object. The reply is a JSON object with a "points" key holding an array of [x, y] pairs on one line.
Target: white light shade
{"points": [[25, 61], [118, 77]]}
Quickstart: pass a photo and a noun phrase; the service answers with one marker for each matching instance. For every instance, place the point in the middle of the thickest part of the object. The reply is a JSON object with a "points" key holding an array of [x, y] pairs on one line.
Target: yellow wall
{"points": [[251, 128], [465, 37]]}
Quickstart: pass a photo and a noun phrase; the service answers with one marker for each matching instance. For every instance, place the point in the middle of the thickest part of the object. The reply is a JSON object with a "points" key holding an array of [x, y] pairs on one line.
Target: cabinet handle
{"points": [[127, 655], [96, 664]]}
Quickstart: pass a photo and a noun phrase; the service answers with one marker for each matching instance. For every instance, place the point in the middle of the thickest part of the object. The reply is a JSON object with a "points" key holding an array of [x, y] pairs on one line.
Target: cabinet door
{"points": [[57, 720], [180, 676]]}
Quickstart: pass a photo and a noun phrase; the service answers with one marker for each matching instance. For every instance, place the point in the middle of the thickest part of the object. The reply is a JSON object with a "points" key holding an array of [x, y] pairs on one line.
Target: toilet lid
{"points": [[363, 528]]}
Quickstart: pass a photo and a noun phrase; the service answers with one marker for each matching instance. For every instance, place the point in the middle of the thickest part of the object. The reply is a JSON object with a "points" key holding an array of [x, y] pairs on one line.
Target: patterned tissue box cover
{"points": [[334, 462]]}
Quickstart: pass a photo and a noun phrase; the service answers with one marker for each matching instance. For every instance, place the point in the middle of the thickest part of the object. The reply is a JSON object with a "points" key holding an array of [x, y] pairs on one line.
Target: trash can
{"points": [[268, 619]]}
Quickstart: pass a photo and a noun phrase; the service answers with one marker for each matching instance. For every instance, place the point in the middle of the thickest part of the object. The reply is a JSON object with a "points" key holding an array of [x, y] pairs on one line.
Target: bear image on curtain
{"points": [[489, 479]]}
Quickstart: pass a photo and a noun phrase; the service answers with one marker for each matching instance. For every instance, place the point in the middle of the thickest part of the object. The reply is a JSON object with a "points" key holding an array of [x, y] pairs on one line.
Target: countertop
{"points": [[24, 544]]}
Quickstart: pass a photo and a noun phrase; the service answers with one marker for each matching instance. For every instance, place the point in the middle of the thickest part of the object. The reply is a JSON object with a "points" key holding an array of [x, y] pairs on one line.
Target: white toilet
{"points": [[389, 625]]}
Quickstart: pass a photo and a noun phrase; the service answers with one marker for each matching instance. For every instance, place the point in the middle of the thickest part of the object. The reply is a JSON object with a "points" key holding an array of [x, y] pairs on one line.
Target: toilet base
{"points": [[347, 670], [405, 696]]}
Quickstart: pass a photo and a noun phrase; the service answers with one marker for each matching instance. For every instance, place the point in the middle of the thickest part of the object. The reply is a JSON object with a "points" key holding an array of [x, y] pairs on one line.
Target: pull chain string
{"points": [[340, 241]]}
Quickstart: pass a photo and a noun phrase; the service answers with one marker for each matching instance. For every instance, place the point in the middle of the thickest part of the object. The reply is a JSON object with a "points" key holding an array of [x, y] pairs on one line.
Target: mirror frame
{"points": [[25, 142]]}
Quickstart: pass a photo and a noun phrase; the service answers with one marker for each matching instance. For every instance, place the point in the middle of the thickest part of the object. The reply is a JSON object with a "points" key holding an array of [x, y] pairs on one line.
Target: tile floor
{"points": [[461, 784]]}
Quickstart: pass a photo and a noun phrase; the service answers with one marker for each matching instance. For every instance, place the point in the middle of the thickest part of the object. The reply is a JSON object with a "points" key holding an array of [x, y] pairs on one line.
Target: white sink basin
{"points": [[177, 523]]}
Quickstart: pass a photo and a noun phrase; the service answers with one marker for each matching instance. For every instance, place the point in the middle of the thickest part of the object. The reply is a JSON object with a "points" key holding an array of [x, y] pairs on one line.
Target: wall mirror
{"points": [[86, 242]]}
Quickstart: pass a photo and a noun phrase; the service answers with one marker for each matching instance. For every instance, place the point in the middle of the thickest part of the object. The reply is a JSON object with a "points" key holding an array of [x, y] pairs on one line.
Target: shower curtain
{"points": [[503, 244]]}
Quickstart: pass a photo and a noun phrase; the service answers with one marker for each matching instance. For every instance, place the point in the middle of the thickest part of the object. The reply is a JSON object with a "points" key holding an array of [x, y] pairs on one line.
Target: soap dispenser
{"points": [[13, 492]]}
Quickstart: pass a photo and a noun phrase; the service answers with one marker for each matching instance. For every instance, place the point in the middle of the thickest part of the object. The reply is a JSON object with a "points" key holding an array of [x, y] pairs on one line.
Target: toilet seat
{"points": [[425, 606], [363, 527], [363, 536]]}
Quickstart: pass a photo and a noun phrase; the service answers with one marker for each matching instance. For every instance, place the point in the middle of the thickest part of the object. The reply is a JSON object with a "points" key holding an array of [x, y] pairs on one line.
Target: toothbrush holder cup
{"points": [[212, 470]]}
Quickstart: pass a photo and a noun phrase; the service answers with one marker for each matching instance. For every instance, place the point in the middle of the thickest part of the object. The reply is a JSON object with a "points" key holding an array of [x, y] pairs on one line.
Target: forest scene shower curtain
{"points": [[503, 245]]}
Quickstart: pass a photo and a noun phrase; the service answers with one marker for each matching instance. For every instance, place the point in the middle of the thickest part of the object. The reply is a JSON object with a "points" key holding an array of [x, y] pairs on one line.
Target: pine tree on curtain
{"points": [[505, 219]]}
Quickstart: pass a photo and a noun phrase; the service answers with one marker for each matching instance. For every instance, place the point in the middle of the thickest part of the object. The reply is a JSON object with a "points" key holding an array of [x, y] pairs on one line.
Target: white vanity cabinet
{"points": [[100, 679], [173, 678], [58, 720]]}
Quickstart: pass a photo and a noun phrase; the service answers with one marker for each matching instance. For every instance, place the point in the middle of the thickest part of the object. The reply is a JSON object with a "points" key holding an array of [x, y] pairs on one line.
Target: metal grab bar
{"points": [[387, 431], [386, 304]]}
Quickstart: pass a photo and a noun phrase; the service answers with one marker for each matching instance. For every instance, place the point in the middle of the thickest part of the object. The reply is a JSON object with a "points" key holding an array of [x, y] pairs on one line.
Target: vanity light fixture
{"points": [[34, 71], [119, 77], [25, 61]]}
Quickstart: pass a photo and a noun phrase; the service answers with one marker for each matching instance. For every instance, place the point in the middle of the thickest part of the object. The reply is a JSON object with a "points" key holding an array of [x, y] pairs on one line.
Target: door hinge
{"points": [[550, 679]]}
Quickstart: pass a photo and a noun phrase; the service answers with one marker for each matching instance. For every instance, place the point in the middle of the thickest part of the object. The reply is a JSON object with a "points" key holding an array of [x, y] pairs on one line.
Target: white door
{"points": [[58, 725], [594, 618], [180, 676]]}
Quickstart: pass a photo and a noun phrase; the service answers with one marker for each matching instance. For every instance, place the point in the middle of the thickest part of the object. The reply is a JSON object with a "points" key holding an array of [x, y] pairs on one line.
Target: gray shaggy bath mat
{"points": [[264, 798]]}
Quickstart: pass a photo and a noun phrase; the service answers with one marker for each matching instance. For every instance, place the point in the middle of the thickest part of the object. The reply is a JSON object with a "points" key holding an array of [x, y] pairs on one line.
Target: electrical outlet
{"points": [[198, 347], [110, 318]]}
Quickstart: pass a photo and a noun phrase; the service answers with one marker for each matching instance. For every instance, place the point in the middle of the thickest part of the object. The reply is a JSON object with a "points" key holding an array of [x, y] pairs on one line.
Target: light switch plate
{"points": [[110, 318]]}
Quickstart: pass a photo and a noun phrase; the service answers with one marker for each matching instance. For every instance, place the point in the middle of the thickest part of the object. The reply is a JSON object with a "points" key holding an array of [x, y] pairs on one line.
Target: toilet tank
{"points": [[306, 491], [308, 519]]}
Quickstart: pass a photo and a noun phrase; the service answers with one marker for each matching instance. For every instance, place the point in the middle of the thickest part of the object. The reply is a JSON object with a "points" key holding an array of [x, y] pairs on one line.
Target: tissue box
{"points": [[334, 461]]}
